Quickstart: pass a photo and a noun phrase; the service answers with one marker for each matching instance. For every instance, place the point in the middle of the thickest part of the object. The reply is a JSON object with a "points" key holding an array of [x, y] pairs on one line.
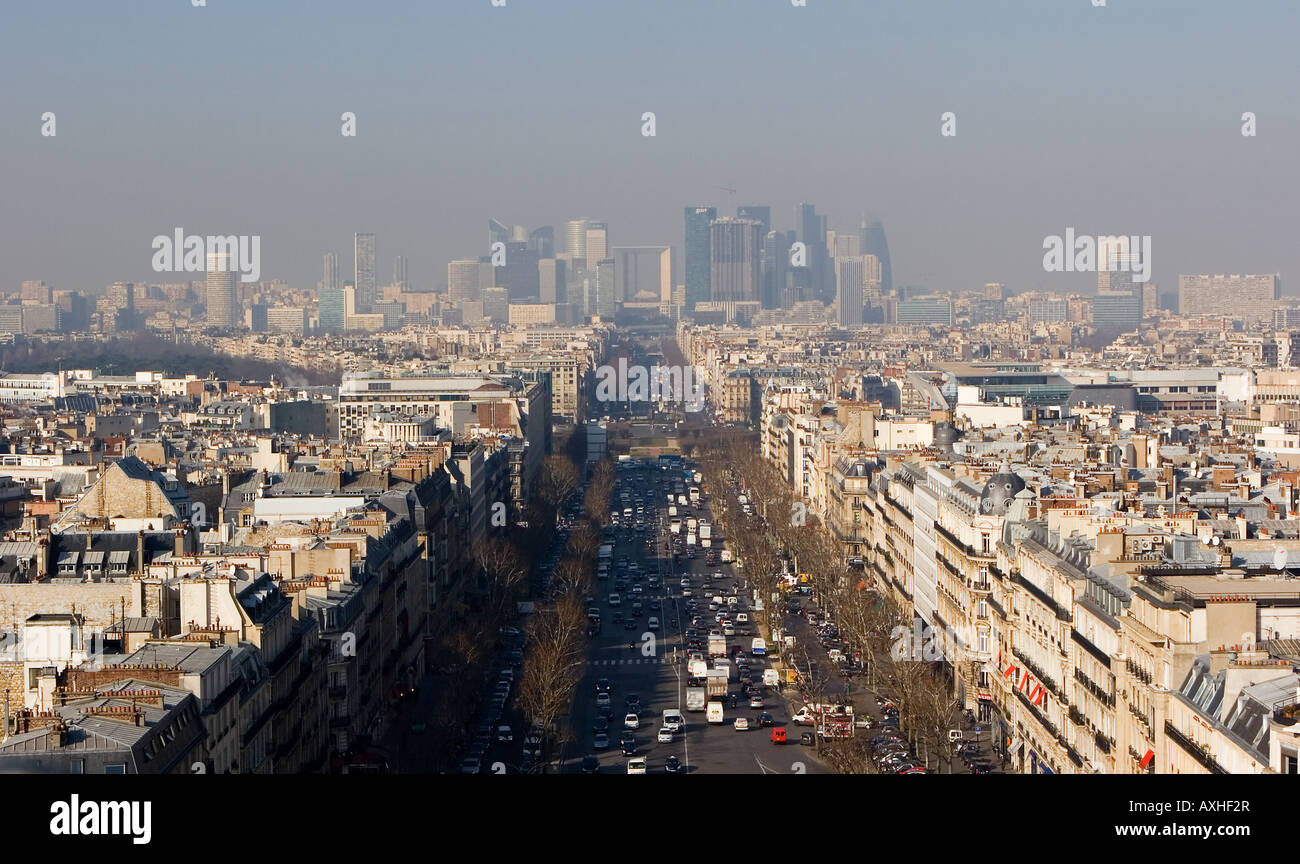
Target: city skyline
{"points": [[961, 211]]}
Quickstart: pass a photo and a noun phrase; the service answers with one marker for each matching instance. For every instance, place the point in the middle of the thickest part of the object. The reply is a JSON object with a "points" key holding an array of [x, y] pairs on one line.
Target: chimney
{"points": [[178, 542], [139, 551]]}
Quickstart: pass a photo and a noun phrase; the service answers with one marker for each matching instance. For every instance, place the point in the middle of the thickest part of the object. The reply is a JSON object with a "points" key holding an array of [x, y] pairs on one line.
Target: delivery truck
{"points": [[717, 645], [706, 531], [717, 683], [695, 697], [715, 714]]}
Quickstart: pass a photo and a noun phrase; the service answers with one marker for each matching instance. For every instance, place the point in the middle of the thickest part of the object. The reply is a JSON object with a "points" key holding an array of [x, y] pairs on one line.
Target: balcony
{"points": [[1198, 752], [1104, 744]]}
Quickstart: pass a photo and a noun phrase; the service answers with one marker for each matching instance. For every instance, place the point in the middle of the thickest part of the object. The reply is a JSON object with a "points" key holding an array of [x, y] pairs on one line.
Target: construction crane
{"points": [[730, 195]]}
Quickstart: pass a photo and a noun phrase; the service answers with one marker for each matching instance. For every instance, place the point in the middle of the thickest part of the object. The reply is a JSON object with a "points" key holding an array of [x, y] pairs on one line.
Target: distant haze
{"points": [[225, 119]]}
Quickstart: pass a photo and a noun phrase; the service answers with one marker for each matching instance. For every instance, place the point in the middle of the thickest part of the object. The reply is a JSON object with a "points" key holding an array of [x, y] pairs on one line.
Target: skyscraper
{"points": [[223, 297], [363, 270], [697, 262], [874, 243], [597, 243], [606, 298], [552, 281], [735, 246], [773, 265], [464, 280], [760, 214], [498, 232], [399, 272], [817, 282], [850, 276], [542, 241], [575, 239], [330, 301], [520, 275]]}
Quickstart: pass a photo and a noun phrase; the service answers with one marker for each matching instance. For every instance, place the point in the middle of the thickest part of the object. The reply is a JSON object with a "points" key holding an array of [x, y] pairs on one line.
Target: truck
{"points": [[681, 499], [698, 477], [675, 525], [715, 713], [606, 552], [717, 682], [673, 720], [695, 697], [758, 647], [706, 531], [672, 509], [727, 556], [692, 524], [695, 494], [690, 539], [717, 645]]}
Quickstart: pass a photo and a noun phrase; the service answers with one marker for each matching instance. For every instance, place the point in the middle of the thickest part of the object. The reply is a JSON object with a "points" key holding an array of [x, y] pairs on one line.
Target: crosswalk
{"points": [[628, 662]]}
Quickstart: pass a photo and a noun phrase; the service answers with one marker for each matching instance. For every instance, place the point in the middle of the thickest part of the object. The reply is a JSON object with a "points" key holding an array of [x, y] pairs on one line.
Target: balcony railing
{"points": [[1196, 751]]}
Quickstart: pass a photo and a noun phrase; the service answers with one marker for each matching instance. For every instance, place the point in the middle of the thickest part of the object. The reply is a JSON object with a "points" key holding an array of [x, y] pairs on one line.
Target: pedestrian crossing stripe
{"points": [[621, 662]]}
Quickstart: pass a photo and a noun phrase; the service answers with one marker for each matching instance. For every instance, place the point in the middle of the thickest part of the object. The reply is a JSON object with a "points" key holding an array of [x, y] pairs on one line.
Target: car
{"points": [[505, 734], [778, 735], [981, 768], [628, 744], [665, 736], [590, 765], [741, 724], [470, 765], [686, 592], [807, 740], [755, 701], [631, 721], [632, 701], [600, 724], [765, 719], [636, 766], [602, 699], [630, 623], [653, 623], [672, 765]]}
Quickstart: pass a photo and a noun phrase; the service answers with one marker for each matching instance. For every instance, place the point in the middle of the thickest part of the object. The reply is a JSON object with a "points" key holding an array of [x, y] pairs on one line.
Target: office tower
{"points": [[817, 282], [349, 303], [1117, 311], [542, 241], [850, 277], [223, 296], [520, 274], [575, 240], [464, 280], [697, 274], [1150, 299], [399, 273], [845, 245], [735, 246], [773, 266], [519, 234], [762, 215], [330, 315], [363, 270], [874, 243], [643, 274], [606, 305], [597, 243], [552, 281], [1249, 298], [498, 232], [995, 291]]}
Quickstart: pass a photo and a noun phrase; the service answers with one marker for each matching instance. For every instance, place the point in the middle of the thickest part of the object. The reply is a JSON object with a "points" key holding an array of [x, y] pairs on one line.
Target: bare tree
{"points": [[502, 569], [560, 478], [552, 667]]}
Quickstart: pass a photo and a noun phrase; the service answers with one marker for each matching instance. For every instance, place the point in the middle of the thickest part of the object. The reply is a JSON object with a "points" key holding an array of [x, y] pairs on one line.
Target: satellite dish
{"points": [[1279, 557], [1205, 540], [1216, 541]]}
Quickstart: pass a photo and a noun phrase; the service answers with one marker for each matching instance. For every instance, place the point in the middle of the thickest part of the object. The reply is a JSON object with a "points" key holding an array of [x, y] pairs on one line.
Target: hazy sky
{"points": [[226, 119]]}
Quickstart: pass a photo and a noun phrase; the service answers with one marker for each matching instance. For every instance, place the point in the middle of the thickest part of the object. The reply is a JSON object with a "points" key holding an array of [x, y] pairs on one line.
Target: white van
{"points": [[715, 712], [673, 720], [758, 647], [636, 765]]}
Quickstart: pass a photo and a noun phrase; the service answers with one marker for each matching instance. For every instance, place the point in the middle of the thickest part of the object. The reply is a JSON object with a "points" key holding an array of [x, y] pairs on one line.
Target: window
{"points": [[1290, 763], [115, 768]]}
